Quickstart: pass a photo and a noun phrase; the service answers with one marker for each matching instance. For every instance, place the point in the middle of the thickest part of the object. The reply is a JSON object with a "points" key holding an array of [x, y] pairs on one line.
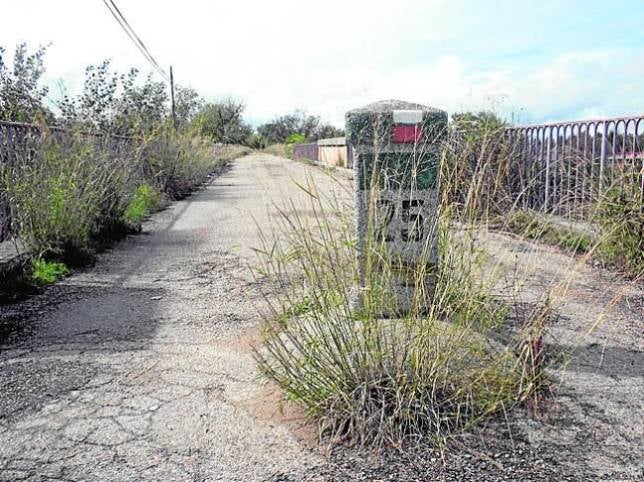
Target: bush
{"points": [[61, 195], [426, 375], [144, 201], [45, 272], [620, 215], [291, 141]]}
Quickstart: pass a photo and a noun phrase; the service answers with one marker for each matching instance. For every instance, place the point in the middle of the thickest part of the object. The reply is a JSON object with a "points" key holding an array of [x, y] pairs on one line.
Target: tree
{"points": [[279, 129], [140, 107], [21, 95], [187, 103], [222, 122], [117, 103], [326, 131]]}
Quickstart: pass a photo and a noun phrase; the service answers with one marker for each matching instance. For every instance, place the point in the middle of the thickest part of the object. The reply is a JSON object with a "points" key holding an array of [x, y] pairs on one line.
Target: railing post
{"points": [[548, 159], [602, 157]]}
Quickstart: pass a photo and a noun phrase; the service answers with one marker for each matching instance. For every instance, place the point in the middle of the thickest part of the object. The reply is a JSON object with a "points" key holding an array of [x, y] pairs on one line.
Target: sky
{"points": [[529, 60]]}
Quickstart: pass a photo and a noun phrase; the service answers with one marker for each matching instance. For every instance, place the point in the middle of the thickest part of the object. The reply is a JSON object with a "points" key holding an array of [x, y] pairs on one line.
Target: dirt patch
{"points": [[268, 405]]}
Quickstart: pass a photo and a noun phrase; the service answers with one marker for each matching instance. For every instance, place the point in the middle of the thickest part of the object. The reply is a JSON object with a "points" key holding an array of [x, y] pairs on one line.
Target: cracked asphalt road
{"points": [[136, 368], [139, 369]]}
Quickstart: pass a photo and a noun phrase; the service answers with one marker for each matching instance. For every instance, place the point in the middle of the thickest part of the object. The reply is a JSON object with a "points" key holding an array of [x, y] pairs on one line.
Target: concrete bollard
{"points": [[396, 153]]}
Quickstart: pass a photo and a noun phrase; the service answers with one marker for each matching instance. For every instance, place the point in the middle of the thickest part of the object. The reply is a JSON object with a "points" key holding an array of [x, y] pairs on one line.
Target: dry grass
{"points": [[455, 357]]}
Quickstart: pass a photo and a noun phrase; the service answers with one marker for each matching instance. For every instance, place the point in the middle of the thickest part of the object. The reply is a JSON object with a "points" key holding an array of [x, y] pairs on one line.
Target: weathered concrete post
{"points": [[396, 150]]}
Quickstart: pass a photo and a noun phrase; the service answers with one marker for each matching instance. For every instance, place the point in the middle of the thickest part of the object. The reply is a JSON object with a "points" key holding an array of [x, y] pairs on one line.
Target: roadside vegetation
{"points": [[46, 272], [470, 349], [76, 180], [610, 231], [462, 353], [620, 217]]}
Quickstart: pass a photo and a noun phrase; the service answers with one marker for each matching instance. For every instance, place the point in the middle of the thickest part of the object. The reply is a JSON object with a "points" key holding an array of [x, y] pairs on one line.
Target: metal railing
{"points": [[306, 151], [564, 166]]}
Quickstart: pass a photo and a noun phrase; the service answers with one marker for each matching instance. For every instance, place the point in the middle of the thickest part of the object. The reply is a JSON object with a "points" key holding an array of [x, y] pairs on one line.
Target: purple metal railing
{"points": [[306, 151], [563, 167]]}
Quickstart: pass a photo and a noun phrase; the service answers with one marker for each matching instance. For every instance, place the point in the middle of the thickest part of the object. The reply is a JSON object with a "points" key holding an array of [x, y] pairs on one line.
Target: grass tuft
{"points": [[457, 356], [47, 272], [144, 201]]}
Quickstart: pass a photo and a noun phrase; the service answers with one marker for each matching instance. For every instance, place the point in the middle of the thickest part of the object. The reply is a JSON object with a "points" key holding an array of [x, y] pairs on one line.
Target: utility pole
{"points": [[174, 114]]}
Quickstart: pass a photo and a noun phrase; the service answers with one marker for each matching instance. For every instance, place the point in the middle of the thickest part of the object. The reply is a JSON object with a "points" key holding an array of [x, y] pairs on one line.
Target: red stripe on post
{"points": [[405, 134]]}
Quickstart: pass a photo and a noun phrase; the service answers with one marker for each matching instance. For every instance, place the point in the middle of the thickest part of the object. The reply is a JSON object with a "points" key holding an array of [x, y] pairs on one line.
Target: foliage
{"points": [[478, 164], [70, 192], [188, 103], [296, 138], [64, 194], [292, 140], [21, 95], [621, 219], [255, 141], [279, 129], [46, 272], [178, 163], [222, 122], [115, 103], [144, 201]]}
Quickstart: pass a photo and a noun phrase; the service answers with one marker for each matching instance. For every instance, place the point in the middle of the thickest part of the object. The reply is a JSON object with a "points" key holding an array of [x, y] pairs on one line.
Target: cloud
{"points": [[328, 57]]}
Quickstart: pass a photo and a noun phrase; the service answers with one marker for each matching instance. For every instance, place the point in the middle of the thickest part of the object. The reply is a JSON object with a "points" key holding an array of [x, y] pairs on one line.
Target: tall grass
{"points": [[72, 191], [65, 192], [455, 356], [620, 217]]}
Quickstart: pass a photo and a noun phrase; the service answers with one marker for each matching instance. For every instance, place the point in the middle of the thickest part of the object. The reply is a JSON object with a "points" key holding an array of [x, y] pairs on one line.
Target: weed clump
{"points": [[425, 375], [620, 216], [144, 201], [47, 272]]}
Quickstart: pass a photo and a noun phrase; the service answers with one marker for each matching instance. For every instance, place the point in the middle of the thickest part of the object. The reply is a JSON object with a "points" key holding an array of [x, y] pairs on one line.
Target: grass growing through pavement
{"points": [[456, 357], [535, 225]]}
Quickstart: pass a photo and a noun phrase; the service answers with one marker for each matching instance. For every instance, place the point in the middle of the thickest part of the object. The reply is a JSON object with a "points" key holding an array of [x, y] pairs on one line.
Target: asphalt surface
{"points": [[139, 367]]}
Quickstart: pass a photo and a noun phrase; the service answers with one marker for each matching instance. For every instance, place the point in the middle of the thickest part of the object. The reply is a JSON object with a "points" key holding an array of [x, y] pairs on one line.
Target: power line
{"points": [[120, 18], [140, 42]]}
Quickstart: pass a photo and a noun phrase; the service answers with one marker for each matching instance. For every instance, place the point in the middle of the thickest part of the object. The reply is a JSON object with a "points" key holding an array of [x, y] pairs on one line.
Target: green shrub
{"points": [[144, 201], [292, 140], [620, 215], [46, 272], [57, 197]]}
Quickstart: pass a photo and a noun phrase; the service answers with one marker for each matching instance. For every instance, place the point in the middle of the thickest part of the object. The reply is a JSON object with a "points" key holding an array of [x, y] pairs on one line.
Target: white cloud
{"points": [[328, 57]]}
